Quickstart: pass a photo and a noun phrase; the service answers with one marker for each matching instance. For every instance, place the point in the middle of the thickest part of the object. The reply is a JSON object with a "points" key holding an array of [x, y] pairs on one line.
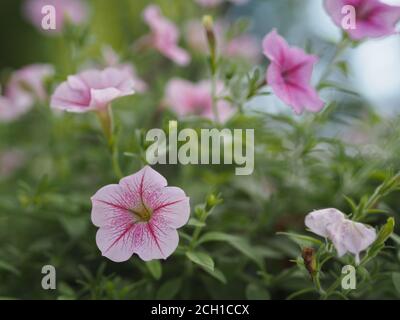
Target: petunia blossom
{"points": [[318, 221], [112, 59], [71, 11], [25, 87], [187, 98], [164, 36], [346, 235], [289, 74], [92, 90], [139, 215], [350, 236], [373, 19]]}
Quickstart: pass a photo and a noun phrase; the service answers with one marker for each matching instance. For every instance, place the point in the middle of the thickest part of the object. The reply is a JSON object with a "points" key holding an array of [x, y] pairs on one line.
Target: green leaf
{"points": [[196, 223], [396, 280], [217, 274], [301, 240], [8, 267], [169, 289], [202, 259], [255, 292], [385, 231], [155, 268], [238, 243]]}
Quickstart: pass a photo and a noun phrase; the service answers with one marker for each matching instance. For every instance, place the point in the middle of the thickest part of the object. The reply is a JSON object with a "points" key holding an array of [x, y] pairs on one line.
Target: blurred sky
{"points": [[374, 65]]}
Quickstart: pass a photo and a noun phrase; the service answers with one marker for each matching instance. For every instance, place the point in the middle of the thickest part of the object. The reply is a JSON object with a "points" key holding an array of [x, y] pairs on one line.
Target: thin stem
{"points": [[107, 123], [340, 48]]}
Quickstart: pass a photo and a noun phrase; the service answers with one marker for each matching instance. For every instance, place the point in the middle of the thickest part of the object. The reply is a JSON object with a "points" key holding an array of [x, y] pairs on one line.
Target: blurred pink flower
{"points": [[92, 90], [164, 36], [139, 215], [24, 88], [112, 59], [187, 98], [10, 161], [289, 74], [374, 18], [72, 11], [244, 46], [346, 235], [213, 3]]}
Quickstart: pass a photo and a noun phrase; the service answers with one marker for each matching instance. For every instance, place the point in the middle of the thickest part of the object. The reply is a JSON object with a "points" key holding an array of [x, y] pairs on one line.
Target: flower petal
{"points": [[319, 221], [155, 240]]}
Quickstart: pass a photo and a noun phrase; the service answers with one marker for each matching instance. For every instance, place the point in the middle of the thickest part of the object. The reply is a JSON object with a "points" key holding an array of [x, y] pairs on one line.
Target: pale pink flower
{"points": [[10, 161], [187, 98], [318, 221], [92, 90], [374, 18], [289, 74], [346, 235], [350, 236], [244, 46], [71, 11], [164, 36], [139, 215], [25, 87], [112, 59]]}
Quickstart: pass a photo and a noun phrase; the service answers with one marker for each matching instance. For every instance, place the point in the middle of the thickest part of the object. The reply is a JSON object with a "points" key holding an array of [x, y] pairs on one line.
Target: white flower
{"points": [[346, 235]]}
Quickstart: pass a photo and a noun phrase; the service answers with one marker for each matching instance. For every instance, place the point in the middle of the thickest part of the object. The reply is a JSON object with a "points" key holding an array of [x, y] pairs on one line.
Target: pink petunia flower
{"points": [[374, 18], [164, 36], [289, 74], [139, 215], [346, 235], [24, 88], [187, 98], [92, 90], [73, 11], [112, 59]]}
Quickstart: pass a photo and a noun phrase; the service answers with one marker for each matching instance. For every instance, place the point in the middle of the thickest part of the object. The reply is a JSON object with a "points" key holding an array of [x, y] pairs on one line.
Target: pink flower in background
{"points": [[187, 98], [73, 11], [25, 87], [139, 215], [112, 59], [213, 3], [10, 161], [289, 74], [346, 235], [92, 90], [373, 18], [244, 46], [164, 36]]}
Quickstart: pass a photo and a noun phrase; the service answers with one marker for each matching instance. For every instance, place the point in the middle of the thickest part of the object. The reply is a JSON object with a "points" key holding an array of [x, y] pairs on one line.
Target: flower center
{"points": [[142, 212]]}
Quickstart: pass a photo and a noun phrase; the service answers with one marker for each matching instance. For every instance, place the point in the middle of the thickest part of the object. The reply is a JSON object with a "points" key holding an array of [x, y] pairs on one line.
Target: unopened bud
{"points": [[310, 263]]}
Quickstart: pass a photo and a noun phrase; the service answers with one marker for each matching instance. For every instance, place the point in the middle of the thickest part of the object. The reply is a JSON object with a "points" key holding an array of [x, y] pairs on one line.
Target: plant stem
{"points": [[107, 124], [340, 48]]}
